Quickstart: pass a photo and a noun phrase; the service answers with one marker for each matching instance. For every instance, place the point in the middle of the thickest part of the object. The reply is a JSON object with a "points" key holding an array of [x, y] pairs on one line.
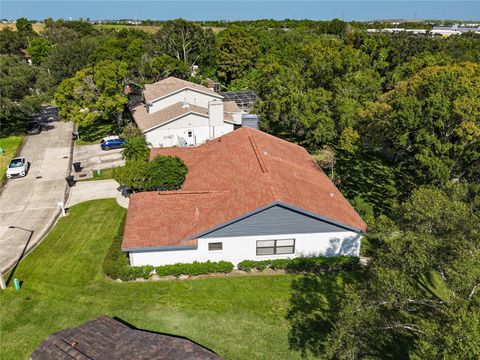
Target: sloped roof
{"points": [[230, 177], [106, 338], [170, 85], [146, 120], [231, 107]]}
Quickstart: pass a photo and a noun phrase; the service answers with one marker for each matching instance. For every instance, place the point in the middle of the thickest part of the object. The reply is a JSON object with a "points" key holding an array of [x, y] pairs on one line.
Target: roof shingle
{"points": [[170, 85], [105, 338]]}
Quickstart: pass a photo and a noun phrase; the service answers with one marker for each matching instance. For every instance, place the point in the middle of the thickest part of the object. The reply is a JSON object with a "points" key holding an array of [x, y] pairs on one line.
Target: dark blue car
{"points": [[113, 144]]}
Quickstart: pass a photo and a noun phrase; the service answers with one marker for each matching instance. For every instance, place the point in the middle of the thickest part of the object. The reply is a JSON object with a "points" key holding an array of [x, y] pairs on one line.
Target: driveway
{"points": [[94, 190], [28, 206]]}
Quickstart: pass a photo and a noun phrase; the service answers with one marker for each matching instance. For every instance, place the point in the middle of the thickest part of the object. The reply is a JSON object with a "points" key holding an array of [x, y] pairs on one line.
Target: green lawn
{"points": [[63, 286], [9, 145], [104, 175]]}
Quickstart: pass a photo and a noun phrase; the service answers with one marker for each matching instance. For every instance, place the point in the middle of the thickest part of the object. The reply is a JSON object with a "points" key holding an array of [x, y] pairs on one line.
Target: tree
{"points": [[94, 94], [237, 52], [420, 296], [68, 58], [11, 42], [165, 66], [39, 49], [18, 100], [23, 25], [185, 41], [162, 173], [430, 122], [131, 130], [135, 149]]}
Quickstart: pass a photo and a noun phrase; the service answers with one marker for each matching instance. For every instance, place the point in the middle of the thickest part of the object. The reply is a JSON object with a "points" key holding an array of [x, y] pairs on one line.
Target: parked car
{"points": [[17, 167], [33, 128], [112, 144]]}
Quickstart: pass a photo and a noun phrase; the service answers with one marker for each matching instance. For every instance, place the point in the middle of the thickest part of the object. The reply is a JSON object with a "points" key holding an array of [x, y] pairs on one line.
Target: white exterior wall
{"points": [[188, 95], [166, 135], [236, 249]]}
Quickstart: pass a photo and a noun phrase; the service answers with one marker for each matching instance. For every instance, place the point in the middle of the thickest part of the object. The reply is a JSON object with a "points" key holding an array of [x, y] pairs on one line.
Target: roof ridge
{"points": [[260, 159], [263, 166]]}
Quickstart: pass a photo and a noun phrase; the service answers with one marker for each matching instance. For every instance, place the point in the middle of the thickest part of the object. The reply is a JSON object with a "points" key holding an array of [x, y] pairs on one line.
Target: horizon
{"points": [[247, 10]]}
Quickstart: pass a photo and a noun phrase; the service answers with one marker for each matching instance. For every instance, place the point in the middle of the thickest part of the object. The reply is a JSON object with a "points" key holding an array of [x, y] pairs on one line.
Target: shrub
{"points": [[115, 265], [195, 268], [304, 264], [162, 173]]}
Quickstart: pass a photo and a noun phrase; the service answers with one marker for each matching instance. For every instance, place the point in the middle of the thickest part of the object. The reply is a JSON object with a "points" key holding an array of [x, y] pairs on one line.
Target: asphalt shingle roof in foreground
{"points": [[107, 339]]}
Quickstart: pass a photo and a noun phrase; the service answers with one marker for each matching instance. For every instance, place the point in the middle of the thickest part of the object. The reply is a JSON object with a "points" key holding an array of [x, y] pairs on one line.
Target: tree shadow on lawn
{"points": [[92, 133], [313, 302]]}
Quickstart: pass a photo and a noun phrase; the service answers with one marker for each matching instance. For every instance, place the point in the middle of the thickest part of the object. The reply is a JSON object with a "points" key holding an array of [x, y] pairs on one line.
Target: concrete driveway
{"points": [[28, 206]]}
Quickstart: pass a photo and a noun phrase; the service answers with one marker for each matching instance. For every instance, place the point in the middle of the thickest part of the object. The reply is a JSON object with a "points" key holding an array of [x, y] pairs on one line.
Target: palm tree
{"points": [[136, 149]]}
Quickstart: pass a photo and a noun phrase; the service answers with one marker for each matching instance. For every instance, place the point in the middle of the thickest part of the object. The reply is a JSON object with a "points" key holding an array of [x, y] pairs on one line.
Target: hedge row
{"points": [[115, 264], [305, 264], [195, 268]]}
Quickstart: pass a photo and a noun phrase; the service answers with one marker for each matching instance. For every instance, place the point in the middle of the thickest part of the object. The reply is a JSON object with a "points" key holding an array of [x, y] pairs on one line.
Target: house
{"points": [[107, 338], [247, 195], [176, 112]]}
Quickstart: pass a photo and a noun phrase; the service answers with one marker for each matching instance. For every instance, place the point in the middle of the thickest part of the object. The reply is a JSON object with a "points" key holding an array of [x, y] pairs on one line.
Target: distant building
{"points": [[454, 30], [176, 112]]}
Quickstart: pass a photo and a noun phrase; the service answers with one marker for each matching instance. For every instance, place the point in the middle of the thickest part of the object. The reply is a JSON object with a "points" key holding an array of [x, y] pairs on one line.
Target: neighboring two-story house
{"points": [[176, 112]]}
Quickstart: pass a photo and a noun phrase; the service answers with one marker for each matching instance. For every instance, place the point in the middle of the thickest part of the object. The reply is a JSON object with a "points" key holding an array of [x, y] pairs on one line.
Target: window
{"points": [[190, 133], [275, 247], [215, 246]]}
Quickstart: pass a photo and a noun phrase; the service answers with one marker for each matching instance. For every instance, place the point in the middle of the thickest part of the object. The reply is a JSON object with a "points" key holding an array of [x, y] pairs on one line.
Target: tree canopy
{"points": [[93, 94]]}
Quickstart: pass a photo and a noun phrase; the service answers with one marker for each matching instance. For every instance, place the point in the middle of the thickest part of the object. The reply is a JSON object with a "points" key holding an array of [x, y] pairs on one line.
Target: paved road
{"points": [[29, 204]]}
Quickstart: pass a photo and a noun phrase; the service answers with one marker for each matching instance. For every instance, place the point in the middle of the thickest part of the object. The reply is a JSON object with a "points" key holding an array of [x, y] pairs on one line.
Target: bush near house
{"points": [[196, 268], [305, 264]]}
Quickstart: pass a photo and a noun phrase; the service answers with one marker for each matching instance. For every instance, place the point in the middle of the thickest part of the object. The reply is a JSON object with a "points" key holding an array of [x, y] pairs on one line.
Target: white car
{"points": [[17, 167], [110, 137]]}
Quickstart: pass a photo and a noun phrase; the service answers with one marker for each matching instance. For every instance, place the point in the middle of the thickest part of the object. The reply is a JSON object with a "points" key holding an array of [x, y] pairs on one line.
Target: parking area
{"points": [[92, 157]]}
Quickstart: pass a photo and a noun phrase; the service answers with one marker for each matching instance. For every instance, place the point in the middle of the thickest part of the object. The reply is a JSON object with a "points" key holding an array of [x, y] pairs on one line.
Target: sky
{"points": [[360, 10]]}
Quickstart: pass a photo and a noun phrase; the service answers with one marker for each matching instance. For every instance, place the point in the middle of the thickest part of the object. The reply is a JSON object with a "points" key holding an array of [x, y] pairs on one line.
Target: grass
{"points": [[9, 145], [39, 27], [104, 175], [63, 286]]}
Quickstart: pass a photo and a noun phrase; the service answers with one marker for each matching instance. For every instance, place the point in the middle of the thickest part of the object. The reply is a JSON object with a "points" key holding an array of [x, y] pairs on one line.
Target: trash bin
{"points": [[70, 181], [75, 135], [77, 166]]}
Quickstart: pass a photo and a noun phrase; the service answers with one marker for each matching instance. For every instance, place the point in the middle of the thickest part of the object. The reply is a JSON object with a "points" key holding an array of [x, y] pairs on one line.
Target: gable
{"points": [[276, 220]]}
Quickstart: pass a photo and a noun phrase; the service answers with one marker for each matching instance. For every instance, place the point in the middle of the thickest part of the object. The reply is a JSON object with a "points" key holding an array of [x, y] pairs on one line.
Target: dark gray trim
{"points": [[159, 248], [276, 203]]}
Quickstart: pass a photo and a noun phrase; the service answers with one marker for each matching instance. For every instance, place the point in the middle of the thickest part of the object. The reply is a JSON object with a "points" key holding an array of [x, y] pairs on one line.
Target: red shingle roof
{"points": [[227, 178]]}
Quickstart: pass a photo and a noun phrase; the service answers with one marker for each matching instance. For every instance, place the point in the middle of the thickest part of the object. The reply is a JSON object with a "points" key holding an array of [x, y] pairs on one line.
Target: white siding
{"points": [[236, 249], [188, 95], [166, 135]]}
